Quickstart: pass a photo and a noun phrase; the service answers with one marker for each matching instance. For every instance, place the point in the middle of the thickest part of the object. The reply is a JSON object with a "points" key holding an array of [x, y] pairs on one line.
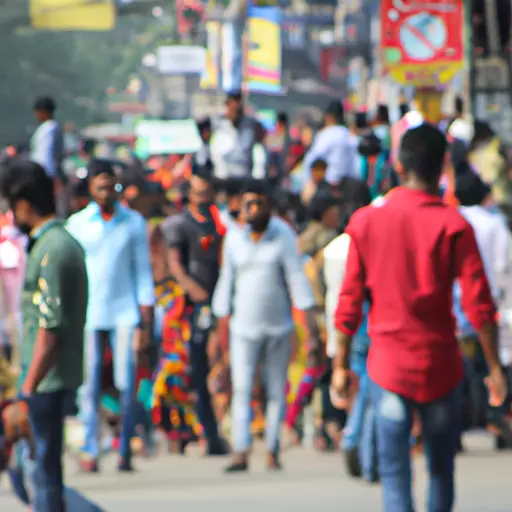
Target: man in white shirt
{"points": [[334, 144], [234, 138], [47, 143]]}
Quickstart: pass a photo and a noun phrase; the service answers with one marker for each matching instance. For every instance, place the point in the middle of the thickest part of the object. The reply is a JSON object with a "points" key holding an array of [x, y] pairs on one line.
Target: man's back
{"points": [[409, 251]]}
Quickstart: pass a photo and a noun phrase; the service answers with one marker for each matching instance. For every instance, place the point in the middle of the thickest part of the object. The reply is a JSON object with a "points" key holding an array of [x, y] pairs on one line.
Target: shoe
{"points": [[237, 467], [274, 465], [125, 466], [352, 462], [89, 466], [218, 448], [17, 479]]}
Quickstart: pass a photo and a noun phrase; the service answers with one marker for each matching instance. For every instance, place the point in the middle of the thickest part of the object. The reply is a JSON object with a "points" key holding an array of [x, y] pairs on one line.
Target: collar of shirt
{"points": [[405, 194], [95, 212], [38, 232]]}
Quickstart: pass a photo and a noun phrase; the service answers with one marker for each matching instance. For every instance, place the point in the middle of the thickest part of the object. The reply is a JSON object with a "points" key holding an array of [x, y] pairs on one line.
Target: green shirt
{"points": [[55, 298]]}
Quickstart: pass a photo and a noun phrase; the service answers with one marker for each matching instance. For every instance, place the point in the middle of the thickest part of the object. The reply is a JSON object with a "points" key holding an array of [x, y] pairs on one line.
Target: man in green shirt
{"points": [[54, 310]]}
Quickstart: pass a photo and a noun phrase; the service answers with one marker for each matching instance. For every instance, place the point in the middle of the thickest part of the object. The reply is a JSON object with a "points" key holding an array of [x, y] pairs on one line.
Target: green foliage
{"points": [[75, 68]]}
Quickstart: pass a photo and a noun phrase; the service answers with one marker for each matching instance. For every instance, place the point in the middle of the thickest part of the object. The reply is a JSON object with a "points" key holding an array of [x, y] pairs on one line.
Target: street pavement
{"points": [[310, 482]]}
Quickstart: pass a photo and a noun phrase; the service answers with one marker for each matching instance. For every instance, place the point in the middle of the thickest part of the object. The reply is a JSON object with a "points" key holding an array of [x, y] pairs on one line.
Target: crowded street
{"points": [[311, 482], [256, 254]]}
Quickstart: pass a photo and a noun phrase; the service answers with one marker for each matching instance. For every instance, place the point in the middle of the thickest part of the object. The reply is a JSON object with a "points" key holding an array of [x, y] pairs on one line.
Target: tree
{"points": [[75, 68]]}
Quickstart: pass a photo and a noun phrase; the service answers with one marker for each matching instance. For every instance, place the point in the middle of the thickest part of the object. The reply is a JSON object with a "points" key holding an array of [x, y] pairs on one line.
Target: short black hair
{"points": [[470, 190], [28, 181], [234, 95], [422, 151], [335, 109], [403, 108], [320, 203], [383, 114], [255, 186], [319, 163], [282, 118], [46, 104], [361, 120], [459, 105], [204, 124], [203, 171], [99, 166], [233, 186]]}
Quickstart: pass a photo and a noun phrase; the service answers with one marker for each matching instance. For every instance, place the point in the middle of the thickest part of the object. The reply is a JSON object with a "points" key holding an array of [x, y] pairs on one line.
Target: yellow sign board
{"points": [[96, 15]]}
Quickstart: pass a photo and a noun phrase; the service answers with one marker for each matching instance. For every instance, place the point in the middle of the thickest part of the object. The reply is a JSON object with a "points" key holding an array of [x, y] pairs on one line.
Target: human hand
{"points": [[140, 339], [197, 294], [343, 388], [496, 382]]}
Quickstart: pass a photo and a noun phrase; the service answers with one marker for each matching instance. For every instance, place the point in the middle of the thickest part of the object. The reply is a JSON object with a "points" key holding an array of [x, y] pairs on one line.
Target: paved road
{"points": [[311, 482]]}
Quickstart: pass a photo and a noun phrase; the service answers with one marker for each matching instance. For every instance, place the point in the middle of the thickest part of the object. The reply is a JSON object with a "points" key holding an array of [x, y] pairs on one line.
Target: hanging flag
{"points": [[210, 77], [62, 15], [264, 69]]}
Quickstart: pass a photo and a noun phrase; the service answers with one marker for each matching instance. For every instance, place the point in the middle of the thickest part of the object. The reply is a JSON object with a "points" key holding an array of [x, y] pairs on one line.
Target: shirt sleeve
{"points": [[296, 279], [142, 264], [50, 287], [319, 149], [349, 311], [476, 300], [223, 294], [174, 233]]}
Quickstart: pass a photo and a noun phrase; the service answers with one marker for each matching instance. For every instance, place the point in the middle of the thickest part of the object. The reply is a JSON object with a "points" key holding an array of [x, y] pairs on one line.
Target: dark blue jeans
{"points": [[47, 412], [440, 422], [200, 368]]}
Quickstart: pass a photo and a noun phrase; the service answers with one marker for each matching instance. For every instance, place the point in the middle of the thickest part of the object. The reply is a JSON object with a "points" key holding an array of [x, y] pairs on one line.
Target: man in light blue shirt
{"points": [[261, 271], [120, 306], [334, 145]]}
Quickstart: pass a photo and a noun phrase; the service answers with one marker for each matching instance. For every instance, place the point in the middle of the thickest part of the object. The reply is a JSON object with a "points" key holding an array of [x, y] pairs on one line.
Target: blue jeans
{"points": [[47, 412], [440, 428], [360, 432], [123, 357], [245, 355]]}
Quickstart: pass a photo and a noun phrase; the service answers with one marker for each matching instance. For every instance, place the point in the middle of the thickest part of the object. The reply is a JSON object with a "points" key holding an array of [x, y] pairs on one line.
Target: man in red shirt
{"points": [[404, 257]]}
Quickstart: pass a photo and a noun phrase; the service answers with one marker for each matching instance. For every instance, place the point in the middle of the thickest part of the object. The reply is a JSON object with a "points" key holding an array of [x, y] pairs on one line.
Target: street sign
{"points": [[181, 60], [491, 75]]}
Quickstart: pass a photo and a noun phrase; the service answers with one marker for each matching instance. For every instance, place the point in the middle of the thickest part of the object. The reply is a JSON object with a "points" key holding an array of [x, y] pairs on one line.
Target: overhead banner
{"points": [[232, 57], [264, 66], [210, 77], [423, 42], [167, 137], [64, 15]]}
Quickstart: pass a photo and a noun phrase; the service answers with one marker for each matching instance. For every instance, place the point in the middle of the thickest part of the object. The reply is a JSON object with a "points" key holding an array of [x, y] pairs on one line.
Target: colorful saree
{"points": [[173, 401]]}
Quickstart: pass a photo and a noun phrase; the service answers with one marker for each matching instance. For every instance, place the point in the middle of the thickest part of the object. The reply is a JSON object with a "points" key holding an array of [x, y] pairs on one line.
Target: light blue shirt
{"points": [[334, 145], [118, 265], [257, 280]]}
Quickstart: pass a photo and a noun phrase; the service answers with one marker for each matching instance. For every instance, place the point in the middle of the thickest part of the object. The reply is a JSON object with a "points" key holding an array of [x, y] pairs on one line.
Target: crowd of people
{"points": [[384, 279]]}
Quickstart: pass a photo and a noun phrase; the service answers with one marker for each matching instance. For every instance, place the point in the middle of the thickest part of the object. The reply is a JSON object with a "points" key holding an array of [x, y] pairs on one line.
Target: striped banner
{"points": [[263, 64]]}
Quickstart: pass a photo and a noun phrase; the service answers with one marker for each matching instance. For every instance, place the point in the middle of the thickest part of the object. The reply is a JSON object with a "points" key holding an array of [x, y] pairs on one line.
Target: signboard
{"points": [[181, 60], [67, 15], [178, 137], [423, 41], [211, 74], [491, 75], [264, 66]]}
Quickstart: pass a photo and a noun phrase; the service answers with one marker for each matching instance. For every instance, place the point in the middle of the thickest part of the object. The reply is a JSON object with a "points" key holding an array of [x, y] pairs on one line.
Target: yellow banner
{"points": [[210, 77], [95, 15]]}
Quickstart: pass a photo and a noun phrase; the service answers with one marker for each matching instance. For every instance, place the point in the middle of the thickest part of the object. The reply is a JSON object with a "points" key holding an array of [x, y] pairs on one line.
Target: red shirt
{"points": [[407, 254]]}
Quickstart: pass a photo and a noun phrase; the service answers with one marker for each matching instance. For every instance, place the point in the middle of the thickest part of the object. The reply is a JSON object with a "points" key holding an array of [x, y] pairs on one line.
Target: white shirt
{"points": [[492, 236], [42, 145], [335, 145], [493, 239], [335, 259]]}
